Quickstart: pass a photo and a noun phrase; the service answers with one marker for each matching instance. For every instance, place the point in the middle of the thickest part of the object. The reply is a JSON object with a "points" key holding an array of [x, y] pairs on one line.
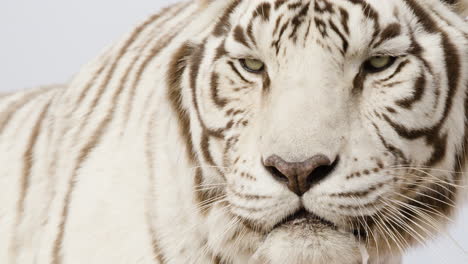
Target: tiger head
{"points": [[328, 125]]}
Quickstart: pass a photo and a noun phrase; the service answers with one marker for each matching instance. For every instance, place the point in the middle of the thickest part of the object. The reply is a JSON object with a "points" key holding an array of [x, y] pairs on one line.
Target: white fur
{"points": [[120, 199]]}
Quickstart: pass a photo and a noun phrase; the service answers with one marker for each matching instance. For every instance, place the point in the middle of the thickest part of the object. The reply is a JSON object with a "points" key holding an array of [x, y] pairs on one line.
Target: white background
{"points": [[46, 41]]}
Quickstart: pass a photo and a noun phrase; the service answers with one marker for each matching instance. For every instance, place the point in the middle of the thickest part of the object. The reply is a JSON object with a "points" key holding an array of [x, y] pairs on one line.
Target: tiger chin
{"points": [[240, 131]]}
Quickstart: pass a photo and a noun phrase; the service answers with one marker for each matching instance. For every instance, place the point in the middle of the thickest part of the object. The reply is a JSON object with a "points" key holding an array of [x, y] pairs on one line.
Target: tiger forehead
{"points": [[320, 20]]}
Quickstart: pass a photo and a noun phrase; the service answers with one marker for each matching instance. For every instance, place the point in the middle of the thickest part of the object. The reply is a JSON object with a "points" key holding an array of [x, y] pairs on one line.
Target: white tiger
{"points": [[239, 131]]}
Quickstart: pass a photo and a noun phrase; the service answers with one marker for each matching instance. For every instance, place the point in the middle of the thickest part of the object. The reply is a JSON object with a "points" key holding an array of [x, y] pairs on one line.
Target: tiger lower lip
{"points": [[302, 215]]}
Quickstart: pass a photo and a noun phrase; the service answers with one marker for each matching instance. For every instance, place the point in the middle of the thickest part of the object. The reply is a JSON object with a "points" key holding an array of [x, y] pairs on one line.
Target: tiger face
{"points": [[331, 124]]}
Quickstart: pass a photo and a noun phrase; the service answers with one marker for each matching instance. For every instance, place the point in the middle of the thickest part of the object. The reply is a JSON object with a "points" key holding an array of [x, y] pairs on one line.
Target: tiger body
{"points": [[151, 153]]}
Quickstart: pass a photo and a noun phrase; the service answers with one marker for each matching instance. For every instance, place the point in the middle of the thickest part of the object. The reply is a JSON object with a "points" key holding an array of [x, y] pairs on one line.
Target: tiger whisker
{"points": [[432, 211], [430, 182], [427, 196], [404, 226], [434, 180], [384, 232], [213, 184], [367, 228], [242, 233], [203, 209], [211, 201], [208, 188], [426, 216], [425, 168], [418, 213], [429, 208], [390, 230], [396, 220], [413, 233], [396, 214], [445, 195], [208, 167], [428, 220], [432, 176], [433, 198]]}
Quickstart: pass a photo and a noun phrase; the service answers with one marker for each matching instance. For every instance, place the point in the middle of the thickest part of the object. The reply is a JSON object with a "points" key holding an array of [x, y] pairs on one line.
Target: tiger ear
{"points": [[204, 3], [460, 6], [463, 8]]}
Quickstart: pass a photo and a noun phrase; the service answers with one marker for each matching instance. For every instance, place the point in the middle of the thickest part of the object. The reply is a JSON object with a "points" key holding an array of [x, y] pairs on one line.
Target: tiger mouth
{"points": [[311, 220], [303, 217]]}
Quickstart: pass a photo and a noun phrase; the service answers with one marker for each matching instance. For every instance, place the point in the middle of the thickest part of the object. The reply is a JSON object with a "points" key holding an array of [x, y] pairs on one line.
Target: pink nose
{"points": [[299, 177]]}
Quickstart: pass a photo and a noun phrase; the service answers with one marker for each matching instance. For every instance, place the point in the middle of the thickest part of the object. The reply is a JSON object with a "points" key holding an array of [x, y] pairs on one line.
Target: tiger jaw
{"points": [[308, 240], [304, 237], [301, 238]]}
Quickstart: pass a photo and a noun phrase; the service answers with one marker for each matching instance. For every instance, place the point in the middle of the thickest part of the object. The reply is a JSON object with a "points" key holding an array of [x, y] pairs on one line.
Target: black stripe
{"points": [[26, 176], [233, 67], [419, 88], [399, 68], [150, 215], [293, 6], [195, 63], [277, 43], [358, 82], [279, 3], [250, 33], [396, 152], [177, 69], [266, 82], [12, 108], [390, 32], [297, 21], [345, 44], [423, 17], [224, 26], [91, 83], [370, 13], [263, 11], [162, 44], [277, 24], [220, 51], [219, 102], [344, 20], [239, 36]]}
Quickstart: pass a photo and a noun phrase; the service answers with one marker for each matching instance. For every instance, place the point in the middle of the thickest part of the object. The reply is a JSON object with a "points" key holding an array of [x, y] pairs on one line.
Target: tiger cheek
{"points": [[224, 100]]}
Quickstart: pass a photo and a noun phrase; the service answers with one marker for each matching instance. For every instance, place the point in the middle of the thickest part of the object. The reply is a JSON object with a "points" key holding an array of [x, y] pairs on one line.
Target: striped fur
{"points": [[153, 152]]}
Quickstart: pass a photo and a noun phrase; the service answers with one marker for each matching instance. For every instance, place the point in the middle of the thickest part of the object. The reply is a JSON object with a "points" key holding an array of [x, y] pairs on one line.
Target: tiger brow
{"points": [[390, 32]]}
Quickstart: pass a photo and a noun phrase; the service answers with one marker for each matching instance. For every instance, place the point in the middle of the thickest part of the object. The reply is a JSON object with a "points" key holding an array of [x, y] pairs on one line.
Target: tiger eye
{"points": [[379, 63], [252, 65]]}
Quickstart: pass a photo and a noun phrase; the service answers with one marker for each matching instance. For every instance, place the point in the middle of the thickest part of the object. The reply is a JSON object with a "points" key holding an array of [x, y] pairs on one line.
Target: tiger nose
{"points": [[299, 177]]}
